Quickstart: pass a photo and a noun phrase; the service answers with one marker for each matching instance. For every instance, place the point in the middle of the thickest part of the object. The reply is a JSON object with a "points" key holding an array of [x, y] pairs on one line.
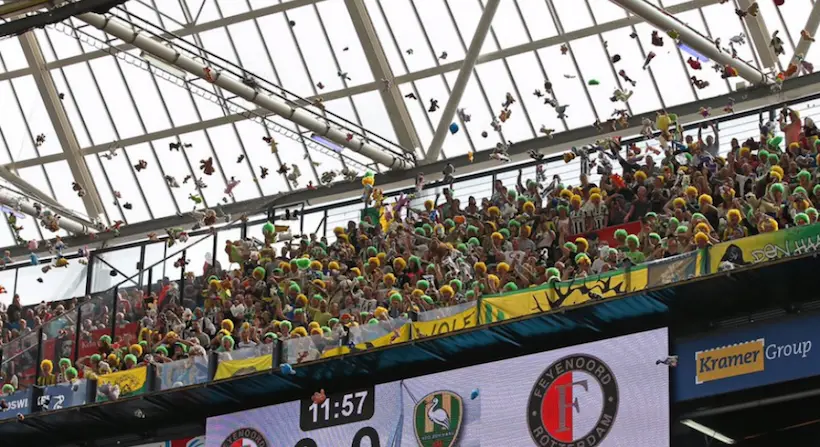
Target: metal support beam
{"points": [[229, 83], [401, 79], [382, 73], [26, 187], [26, 207], [9, 10], [61, 124], [350, 91], [28, 22], [199, 28], [664, 21], [800, 89], [460, 85], [813, 22], [759, 35], [38, 195]]}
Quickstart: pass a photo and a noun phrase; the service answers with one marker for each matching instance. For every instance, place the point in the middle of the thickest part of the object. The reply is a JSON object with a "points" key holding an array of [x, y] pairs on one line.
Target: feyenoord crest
{"points": [[245, 437], [438, 418], [573, 403]]}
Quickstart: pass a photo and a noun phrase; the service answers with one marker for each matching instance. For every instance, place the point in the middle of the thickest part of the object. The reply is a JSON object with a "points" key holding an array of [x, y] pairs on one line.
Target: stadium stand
{"points": [[576, 229], [370, 279]]}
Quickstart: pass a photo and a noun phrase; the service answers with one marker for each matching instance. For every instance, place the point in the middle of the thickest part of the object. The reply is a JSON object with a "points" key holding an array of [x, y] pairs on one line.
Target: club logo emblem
{"points": [[573, 403], [438, 417], [245, 437]]}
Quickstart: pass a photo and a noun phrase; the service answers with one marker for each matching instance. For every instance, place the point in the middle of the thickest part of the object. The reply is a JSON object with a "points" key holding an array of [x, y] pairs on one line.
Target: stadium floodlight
{"points": [[162, 65], [707, 431]]}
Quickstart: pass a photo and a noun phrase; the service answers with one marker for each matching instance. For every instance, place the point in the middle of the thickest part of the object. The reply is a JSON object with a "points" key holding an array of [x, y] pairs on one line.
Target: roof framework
{"points": [[89, 92]]}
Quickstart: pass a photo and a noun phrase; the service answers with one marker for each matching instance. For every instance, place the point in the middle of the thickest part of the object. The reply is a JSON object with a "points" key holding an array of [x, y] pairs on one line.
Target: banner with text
{"points": [[562, 294], [757, 355], [599, 393], [313, 347], [362, 338], [64, 395], [121, 384], [16, 403], [448, 319], [764, 247], [675, 269], [181, 373]]}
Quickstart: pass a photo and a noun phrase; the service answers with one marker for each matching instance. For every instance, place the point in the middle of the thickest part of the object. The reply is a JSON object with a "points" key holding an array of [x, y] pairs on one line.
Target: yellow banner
{"points": [[730, 361], [397, 336], [233, 368], [764, 247], [564, 294], [130, 382], [462, 320]]}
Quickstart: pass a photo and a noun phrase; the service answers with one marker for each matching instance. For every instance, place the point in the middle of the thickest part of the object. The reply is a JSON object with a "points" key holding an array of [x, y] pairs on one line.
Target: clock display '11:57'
{"points": [[337, 409]]}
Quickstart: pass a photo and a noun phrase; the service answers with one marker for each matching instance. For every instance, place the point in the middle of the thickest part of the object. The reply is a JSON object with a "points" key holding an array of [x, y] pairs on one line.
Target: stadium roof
{"points": [[64, 83]]}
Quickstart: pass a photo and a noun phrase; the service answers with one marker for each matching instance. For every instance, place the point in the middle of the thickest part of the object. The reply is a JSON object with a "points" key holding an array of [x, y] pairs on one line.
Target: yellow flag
{"points": [[233, 368]]}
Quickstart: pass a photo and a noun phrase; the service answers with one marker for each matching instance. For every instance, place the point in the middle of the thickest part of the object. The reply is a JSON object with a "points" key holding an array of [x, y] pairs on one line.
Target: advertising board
{"points": [[64, 395], [605, 393], [757, 355], [16, 403]]}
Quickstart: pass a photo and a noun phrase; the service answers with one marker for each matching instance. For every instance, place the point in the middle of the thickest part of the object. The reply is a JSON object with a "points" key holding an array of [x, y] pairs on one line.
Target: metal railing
{"points": [[281, 356]]}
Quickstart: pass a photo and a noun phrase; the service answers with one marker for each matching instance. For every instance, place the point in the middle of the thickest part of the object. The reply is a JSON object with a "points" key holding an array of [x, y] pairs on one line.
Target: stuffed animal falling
{"points": [[777, 43], [448, 173], [367, 183]]}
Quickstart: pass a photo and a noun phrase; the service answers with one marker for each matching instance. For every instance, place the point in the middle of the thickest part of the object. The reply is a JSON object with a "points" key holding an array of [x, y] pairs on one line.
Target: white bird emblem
{"points": [[438, 416]]}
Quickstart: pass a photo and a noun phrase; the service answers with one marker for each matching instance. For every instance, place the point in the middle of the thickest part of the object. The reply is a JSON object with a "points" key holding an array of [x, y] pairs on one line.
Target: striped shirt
{"points": [[578, 221]]}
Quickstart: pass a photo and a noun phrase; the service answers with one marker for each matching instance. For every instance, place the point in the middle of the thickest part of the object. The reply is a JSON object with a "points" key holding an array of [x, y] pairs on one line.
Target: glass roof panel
{"points": [[534, 12], [285, 55], [260, 156], [725, 29], [173, 10], [231, 7], [568, 87], [508, 28], [494, 78], [644, 98], [529, 74], [392, 49], [59, 173], [113, 88], [604, 11], [11, 55], [24, 117], [770, 12], [795, 9], [437, 25], [101, 175], [672, 80], [572, 16], [201, 11], [373, 115]]}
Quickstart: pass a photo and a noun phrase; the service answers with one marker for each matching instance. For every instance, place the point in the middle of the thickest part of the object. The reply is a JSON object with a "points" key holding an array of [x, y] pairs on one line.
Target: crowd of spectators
{"points": [[680, 195]]}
